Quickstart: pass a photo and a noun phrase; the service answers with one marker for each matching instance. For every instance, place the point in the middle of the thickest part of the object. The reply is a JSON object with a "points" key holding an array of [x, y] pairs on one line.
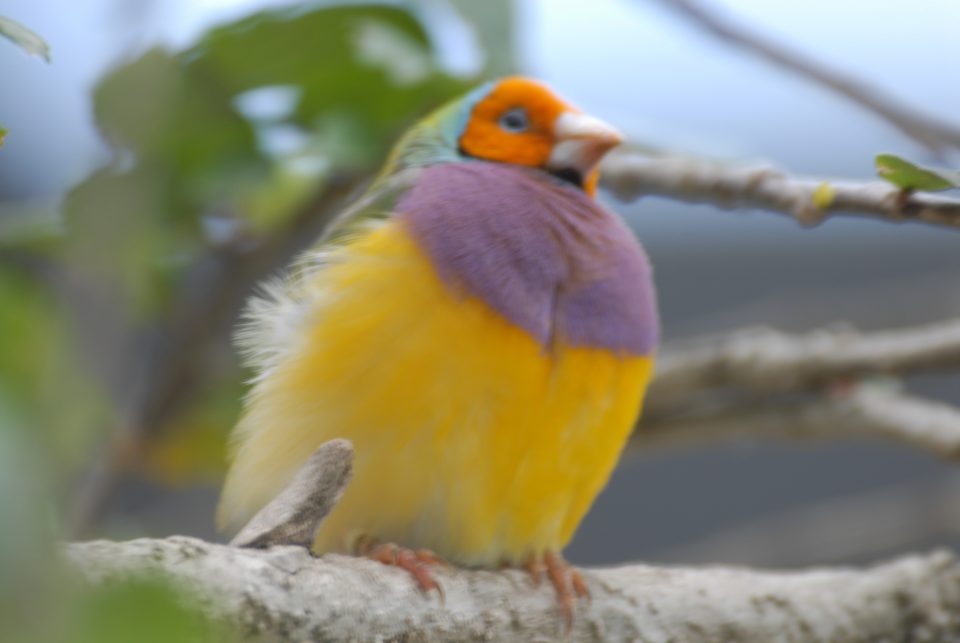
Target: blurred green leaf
{"points": [[145, 610], [34, 322], [371, 68], [909, 176], [34, 224], [182, 121], [125, 227], [28, 569], [26, 39], [43, 365], [3, 135]]}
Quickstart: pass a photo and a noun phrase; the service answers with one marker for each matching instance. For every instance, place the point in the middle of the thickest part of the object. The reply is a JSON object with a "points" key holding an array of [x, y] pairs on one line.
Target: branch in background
{"points": [[868, 411], [629, 176], [766, 360], [283, 594], [932, 134], [759, 382]]}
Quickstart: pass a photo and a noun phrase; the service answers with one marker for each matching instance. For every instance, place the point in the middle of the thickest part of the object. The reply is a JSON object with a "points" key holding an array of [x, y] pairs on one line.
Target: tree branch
{"points": [[629, 176], [283, 594], [766, 360], [761, 383], [867, 411], [932, 134]]}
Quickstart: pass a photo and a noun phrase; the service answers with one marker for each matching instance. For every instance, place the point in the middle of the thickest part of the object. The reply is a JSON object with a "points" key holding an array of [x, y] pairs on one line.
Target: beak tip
{"points": [[581, 141], [578, 126]]}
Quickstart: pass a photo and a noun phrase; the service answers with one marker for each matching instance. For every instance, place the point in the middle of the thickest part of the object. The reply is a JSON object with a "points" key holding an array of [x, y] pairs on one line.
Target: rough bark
{"points": [[293, 517], [284, 594]]}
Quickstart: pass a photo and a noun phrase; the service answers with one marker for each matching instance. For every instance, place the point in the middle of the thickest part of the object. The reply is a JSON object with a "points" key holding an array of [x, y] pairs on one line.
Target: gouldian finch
{"points": [[481, 329]]}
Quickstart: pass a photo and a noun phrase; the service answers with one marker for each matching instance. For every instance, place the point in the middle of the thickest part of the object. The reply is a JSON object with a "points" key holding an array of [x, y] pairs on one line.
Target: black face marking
{"points": [[569, 175]]}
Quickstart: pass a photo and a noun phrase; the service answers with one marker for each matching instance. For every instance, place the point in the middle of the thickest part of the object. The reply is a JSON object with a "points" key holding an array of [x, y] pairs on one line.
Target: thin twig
{"points": [[934, 135], [630, 176], [766, 360], [871, 410]]}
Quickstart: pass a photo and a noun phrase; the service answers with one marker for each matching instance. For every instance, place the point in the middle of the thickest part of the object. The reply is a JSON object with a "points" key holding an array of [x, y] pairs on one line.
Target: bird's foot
{"points": [[565, 578], [418, 563]]}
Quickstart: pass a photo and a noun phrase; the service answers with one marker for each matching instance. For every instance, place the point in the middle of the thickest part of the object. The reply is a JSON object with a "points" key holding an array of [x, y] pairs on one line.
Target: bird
{"points": [[478, 325]]}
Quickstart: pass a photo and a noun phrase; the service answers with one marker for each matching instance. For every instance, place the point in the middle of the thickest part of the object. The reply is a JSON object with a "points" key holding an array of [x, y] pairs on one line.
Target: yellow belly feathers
{"points": [[471, 439]]}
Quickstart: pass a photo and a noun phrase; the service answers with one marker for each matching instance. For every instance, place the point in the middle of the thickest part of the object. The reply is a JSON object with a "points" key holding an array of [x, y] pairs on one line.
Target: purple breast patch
{"points": [[543, 254]]}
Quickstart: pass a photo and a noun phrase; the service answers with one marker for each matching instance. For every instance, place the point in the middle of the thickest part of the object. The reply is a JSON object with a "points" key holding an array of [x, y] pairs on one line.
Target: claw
{"points": [[430, 558], [535, 569], [568, 583], [416, 563], [579, 585], [419, 568], [558, 572]]}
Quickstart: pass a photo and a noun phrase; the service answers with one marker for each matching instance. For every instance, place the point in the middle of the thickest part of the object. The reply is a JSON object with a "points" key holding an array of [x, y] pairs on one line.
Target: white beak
{"points": [[582, 141]]}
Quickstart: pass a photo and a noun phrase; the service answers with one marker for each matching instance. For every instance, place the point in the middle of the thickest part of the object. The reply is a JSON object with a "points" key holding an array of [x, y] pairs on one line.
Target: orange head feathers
{"points": [[516, 121]]}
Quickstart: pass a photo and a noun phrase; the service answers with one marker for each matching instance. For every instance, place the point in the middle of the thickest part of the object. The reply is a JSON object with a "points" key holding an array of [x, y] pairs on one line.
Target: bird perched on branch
{"points": [[478, 326]]}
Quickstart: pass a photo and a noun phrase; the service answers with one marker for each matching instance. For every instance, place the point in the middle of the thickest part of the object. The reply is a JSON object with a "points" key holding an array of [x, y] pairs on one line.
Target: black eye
{"points": [[515, 120]]}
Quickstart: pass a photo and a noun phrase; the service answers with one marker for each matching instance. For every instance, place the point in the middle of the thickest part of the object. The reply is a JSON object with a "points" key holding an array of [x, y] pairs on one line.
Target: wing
{"points": [[275, 311], [376, 203]]}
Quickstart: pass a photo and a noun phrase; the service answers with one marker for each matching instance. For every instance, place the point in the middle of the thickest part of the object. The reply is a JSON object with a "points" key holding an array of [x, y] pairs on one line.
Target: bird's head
{"points": [[517, 121]]}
